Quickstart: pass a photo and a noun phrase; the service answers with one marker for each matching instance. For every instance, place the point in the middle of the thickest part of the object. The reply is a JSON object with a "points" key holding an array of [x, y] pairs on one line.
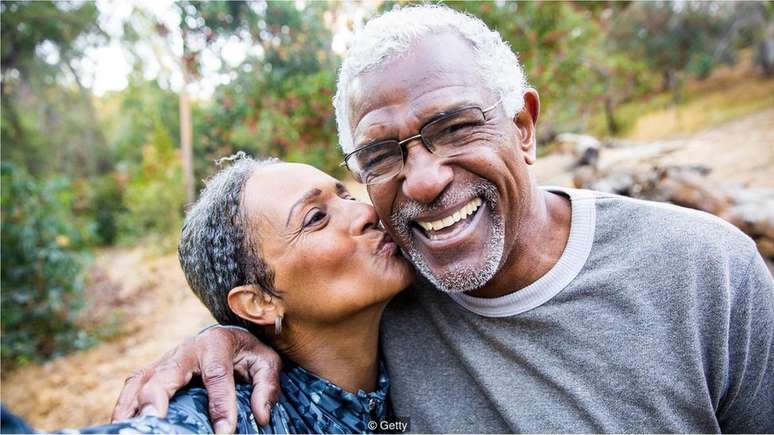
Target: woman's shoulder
{"points": [[306, 403], [191, 405]]}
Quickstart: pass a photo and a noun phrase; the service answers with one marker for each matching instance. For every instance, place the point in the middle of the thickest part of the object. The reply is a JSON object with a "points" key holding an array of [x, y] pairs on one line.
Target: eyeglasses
{"points": [[446, 135]]}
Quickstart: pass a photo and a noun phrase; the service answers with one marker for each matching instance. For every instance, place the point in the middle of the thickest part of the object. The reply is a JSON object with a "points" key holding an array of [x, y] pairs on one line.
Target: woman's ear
{"points": [[526, 125], [251, 303]]}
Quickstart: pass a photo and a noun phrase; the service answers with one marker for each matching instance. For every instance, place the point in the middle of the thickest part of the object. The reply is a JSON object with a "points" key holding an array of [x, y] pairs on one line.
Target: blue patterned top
{"points": [[307, 404]]}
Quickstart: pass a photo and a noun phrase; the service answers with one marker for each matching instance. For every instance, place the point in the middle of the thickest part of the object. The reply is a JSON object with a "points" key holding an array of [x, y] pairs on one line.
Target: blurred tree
{"points": [[48, 120], [679, 38], [42, 247], [556, 42], [203, 28], [279, 101], [154, 196]]}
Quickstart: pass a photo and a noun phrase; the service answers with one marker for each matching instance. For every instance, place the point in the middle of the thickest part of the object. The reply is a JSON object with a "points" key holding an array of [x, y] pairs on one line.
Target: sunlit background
{"points": [[113, 113]]}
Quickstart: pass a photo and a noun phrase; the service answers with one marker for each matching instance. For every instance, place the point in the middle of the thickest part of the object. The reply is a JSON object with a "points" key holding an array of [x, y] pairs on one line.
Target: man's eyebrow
{"points": [[435, 114], [427, 116], [308, 196]]}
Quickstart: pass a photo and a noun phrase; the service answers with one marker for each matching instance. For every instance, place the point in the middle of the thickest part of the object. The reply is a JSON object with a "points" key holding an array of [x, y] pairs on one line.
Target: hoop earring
{"points": [[277, 325]]}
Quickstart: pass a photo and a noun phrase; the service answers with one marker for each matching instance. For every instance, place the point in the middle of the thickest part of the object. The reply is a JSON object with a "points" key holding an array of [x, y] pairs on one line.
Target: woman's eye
{"points": [[314, 217]]}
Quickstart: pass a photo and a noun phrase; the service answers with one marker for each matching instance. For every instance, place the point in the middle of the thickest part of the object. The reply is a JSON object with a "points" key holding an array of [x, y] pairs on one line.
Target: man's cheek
{"points": [[401, 236]]}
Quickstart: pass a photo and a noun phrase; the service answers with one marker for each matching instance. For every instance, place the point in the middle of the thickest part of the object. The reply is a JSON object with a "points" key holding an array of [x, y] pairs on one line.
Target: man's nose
{"points": [[425, 176], [365, 218]]}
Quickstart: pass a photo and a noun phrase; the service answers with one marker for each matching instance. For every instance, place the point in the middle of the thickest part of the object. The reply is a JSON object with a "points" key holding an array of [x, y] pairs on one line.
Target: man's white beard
{"points": [[473, 275]]}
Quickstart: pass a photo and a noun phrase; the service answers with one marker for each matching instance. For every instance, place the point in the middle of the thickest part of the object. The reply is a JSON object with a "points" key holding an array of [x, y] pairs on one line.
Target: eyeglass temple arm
{"points": [[499, 100]]}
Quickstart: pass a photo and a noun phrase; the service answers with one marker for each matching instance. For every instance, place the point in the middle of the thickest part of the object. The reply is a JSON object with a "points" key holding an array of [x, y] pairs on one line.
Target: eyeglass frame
{"points": [[402, 143]]}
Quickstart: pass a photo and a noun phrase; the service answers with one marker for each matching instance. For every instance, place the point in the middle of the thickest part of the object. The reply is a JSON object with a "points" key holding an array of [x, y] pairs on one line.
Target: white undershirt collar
{"points": [[576, 252]]}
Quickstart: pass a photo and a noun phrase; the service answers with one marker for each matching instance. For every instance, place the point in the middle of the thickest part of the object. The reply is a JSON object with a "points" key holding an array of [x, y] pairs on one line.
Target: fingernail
{"points": [[222, 426], [150, 410]]}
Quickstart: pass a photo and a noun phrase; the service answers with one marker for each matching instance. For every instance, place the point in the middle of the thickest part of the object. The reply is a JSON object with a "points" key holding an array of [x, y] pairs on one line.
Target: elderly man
{"points": [[540, 309]]}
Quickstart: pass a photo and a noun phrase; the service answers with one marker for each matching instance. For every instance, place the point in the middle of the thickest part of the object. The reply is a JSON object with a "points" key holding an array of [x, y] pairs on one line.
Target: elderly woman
{"points": [[283, 250]]}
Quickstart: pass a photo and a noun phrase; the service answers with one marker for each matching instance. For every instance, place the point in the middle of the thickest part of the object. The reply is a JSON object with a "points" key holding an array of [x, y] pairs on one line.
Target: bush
{"points": [[42, 261], [106, 205], [155, 195]]}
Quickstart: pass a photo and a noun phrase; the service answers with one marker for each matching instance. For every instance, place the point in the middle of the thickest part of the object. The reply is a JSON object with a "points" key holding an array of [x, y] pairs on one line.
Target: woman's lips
{"points": [[385, 246]]}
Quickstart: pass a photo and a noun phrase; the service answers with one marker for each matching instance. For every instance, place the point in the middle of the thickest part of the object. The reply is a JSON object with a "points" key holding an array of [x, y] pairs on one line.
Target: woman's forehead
{"points": [[276, 187]]}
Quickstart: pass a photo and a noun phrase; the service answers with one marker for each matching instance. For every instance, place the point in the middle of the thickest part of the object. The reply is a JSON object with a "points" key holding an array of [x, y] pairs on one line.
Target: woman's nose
{"points": [[365, 219]]}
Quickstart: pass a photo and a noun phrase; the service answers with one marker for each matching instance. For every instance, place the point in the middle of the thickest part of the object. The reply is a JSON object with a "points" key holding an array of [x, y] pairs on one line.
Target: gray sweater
{"points": [[656, 318]]}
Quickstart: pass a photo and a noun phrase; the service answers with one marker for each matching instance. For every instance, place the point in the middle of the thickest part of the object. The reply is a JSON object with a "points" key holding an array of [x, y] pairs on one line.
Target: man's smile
{"points": [[451, 224]]}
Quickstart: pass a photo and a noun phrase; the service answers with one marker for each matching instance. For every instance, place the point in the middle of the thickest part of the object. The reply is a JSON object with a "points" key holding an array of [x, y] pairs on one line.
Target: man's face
{"points": [[455, 217]]}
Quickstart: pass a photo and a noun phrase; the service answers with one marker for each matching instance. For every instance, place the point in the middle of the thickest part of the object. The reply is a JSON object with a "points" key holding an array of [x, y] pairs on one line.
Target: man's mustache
{"points": [[410, 210]]}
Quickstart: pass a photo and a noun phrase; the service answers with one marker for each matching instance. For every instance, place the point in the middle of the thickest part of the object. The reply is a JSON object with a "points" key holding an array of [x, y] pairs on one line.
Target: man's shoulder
{"points": [[657, 224], [660, 231]]}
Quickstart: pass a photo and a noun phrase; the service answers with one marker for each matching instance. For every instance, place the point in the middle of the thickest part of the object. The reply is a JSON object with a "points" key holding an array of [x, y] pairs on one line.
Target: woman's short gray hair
{"points": [[391, 34], [217, 249]]}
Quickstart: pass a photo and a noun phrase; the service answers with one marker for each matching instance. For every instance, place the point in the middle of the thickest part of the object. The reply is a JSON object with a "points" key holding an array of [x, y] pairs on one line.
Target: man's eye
{"points": [[314, 217], [458, 128]]}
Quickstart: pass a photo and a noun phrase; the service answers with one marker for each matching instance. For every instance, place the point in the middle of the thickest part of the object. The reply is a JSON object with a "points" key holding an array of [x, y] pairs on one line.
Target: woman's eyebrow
{"points": [[341, 189], [308, 196]]}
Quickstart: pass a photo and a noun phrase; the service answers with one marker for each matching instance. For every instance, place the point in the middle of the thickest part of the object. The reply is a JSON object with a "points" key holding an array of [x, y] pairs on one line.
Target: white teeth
{"points": [[448, 221]]}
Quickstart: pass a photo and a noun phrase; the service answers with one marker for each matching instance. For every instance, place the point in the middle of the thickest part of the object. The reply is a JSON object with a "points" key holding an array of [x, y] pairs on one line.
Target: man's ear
{"points": [[254, 305], [526, 124]]}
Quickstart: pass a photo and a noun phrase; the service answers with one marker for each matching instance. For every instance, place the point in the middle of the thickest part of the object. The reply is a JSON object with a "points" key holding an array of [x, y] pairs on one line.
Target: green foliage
{"points": [[105, 206], [280, 102], [27, 24], [47, 127], [129, 115], [675, 40], [41, 268], [154, 197]]}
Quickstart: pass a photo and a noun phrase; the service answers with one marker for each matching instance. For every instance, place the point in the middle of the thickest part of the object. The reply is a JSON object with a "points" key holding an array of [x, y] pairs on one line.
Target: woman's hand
{"points": [[214, 354]]}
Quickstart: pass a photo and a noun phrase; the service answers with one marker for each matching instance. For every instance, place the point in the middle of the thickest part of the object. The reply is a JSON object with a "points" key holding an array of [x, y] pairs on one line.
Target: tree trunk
{"points": [[92, 155], [612, 125], [186, 145]]}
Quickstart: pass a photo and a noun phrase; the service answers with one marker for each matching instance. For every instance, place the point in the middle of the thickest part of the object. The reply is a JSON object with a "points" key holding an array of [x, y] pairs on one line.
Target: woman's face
{"points": [[330, 259]]}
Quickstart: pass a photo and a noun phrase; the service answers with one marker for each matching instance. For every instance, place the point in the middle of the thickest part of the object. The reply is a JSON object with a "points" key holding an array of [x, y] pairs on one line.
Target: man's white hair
{"points": [[391, 34]]}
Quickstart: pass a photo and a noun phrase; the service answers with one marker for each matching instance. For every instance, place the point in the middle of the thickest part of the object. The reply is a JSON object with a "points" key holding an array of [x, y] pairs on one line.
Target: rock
{"points": [[751, 210], [765, 247], [690, 188], [585, 148]]}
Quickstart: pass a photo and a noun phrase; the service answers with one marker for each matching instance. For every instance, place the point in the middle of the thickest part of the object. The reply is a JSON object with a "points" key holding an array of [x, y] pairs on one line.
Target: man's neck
{"points": [[345, 353], [539, 244]]}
